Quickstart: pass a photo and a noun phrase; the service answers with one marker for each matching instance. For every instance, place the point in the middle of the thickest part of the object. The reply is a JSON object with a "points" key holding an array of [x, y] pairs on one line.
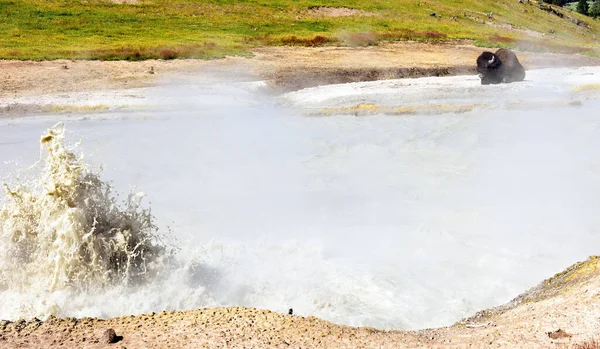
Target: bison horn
{"points": [[492, 60]]}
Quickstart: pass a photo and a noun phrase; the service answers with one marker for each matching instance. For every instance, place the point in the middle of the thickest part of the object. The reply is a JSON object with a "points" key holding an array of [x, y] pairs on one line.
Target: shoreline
{"points": [[64, 86], [284, 68], [557, 313]]}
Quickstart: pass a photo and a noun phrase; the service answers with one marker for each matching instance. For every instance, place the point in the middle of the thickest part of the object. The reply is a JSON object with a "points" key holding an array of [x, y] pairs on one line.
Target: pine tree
{"points": [[582, 7], [595, 10]]}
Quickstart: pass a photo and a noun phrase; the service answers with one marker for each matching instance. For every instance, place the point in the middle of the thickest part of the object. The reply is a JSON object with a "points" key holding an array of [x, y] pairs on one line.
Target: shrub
{"points": [[556, 2], [582, 7], [595, 9]]}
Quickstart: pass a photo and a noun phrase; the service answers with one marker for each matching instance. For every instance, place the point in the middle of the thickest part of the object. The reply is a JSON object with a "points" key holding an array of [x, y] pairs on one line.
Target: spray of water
{"points": [[66, 230]]}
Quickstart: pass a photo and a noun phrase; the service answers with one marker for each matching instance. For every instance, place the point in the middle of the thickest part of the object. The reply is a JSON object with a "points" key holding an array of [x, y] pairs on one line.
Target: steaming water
{"points": [[392, 221]]}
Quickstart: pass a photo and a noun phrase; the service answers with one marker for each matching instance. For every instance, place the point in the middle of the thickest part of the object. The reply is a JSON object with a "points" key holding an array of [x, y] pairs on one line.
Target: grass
{"points": [[168, 29]]}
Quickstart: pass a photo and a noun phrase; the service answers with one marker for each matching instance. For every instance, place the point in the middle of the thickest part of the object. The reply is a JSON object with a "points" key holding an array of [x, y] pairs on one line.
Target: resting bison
{"points": [[502, 66]]}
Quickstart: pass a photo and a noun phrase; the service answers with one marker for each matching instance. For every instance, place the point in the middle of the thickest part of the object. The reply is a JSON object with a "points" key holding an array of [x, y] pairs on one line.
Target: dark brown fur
{"points": [[504, 67]]}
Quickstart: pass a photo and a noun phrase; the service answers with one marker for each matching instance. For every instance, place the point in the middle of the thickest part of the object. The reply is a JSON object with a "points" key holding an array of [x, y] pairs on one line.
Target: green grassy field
{"points": [[167, 29]]}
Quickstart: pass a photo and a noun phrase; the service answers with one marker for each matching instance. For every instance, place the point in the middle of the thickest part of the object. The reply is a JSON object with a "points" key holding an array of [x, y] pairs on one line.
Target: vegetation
{"points": [[595, 9], [583, 7], [167, 29], [556, 2]]}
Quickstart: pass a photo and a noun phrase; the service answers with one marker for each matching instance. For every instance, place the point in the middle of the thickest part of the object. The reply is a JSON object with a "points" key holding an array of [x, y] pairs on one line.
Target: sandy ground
{"points": [[285, 68], [527, 322], [61, 86]]}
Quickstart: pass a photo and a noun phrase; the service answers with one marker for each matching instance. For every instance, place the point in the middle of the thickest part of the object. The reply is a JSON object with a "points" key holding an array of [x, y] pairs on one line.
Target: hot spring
{"points": [[396, 204]]}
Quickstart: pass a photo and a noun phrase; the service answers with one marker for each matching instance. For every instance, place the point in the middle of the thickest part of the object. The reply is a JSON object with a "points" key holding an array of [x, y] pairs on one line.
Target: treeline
{"points": [[588, 8], [556, 2], [584, 7]]}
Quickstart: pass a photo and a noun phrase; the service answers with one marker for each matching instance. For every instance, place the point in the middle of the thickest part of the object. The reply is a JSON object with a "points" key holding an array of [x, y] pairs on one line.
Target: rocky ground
{"points": [[560, 313]]}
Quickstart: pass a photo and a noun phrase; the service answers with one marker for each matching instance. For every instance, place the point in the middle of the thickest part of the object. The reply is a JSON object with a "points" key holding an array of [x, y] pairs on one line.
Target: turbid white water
{"points": [[388, 219]]}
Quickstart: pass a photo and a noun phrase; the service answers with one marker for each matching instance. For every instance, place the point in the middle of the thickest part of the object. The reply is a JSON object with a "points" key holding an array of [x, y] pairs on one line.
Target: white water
{"points": [[392, 221]]}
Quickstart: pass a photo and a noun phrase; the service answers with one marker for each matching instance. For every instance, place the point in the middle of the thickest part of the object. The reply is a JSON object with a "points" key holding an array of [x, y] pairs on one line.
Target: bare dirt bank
{"points": [[286, 68], [568, 302]]}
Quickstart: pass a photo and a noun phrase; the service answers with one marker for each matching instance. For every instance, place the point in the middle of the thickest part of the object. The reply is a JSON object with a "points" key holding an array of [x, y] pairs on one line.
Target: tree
{"points": [[595, 10], [556, 2], [582, 7]]}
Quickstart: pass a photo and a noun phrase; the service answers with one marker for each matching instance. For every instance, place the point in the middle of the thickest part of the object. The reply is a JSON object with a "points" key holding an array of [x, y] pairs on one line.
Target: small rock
{"points": [[558, 334], [291, 311], [109, 336]]}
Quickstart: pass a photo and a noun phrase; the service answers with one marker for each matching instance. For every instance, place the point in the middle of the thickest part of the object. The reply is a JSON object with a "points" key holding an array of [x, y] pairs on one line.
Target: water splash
{"points": [[66, 230]]}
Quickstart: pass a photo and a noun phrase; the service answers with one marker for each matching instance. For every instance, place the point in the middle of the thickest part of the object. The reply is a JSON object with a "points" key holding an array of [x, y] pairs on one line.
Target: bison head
{"points": [[488, 66]]}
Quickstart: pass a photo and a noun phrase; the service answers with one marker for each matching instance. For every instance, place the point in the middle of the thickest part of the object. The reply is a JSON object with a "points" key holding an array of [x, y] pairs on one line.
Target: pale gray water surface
{"points": [[392, 221]]}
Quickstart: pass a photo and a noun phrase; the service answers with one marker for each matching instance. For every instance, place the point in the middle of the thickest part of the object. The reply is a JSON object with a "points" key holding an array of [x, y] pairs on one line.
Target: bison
{"points": [[499, 67]]}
